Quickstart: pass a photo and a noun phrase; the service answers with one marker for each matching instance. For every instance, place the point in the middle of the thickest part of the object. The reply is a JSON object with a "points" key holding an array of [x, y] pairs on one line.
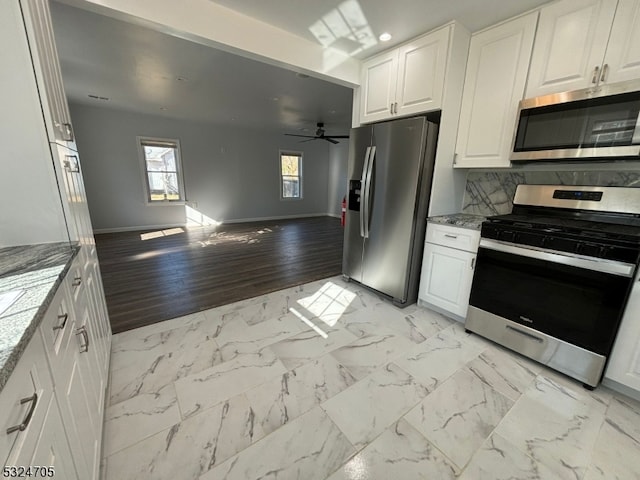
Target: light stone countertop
{"points": [[462, 220], [29, 278]]}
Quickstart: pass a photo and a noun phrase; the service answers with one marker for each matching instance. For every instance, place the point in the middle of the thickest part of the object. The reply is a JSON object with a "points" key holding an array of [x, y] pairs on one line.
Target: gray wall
{"points": [[338, 157], [231, 173]]}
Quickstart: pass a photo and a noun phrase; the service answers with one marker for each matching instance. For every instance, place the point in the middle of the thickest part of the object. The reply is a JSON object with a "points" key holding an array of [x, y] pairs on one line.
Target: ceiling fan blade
{"points": [[294, 135], [328, 139], [310, 139], [337, 136]]}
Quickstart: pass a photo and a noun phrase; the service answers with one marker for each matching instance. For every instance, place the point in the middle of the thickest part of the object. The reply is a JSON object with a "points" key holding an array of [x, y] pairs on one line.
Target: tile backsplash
{"points": [[491, 193]]}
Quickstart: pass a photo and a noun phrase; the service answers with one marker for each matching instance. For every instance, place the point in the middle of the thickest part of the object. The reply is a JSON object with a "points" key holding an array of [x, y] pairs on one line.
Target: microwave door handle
{"points": [[367, 192], [636, 133], [603, 75], [363, 181]]}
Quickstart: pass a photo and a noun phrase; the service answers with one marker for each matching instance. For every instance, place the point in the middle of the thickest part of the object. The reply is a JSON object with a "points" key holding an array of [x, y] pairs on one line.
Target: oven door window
{"points": [[573, 304]]}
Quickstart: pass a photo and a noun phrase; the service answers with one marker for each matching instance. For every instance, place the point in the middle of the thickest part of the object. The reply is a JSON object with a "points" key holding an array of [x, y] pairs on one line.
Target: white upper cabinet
{"points": [[622, 61], [494, 84], [379, 77], [44, 54], [583, 43], [406, 80], [421, 68]]}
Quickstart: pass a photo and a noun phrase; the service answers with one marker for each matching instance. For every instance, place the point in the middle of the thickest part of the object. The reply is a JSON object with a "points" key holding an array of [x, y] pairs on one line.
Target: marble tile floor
{"points": [[327, 381]]}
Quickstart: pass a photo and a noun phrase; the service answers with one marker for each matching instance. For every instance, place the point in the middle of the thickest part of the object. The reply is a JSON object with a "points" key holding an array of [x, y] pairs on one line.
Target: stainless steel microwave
{"points": [[601, 123]]}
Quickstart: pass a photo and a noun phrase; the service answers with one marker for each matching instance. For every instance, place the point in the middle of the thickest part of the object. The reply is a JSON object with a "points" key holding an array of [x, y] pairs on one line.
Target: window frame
{"points": [[159, 141], [291, 153]]}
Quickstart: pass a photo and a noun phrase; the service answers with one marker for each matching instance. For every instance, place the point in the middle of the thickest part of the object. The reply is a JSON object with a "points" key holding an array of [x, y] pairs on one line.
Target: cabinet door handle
{"points": [[63, 322], [76, 282], [25, 423], [83, 331], [473, 263], [605, 70], [68, 129], [71, 163], [395, 107], [448, 235], [391, 108], [594, 79]]}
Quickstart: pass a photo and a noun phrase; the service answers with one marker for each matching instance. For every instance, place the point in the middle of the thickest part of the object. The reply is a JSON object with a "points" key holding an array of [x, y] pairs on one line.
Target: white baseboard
{"points": [[281, 217], [620, 388], [233, 220], [137, 228]]}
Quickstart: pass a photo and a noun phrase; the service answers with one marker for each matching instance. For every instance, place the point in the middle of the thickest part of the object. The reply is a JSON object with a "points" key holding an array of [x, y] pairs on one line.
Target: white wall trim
{"points": [[236, 220]]}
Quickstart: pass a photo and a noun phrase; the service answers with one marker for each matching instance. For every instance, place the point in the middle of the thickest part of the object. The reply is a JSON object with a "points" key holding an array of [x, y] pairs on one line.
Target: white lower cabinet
{"points": [[624, 362], [24, 403], [447, 269], [32, 433], [52, 451], [65, 366]]}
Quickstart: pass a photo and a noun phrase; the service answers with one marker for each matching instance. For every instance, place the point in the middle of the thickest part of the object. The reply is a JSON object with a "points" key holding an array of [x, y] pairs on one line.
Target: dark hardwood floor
{"points": [[155, 279]]}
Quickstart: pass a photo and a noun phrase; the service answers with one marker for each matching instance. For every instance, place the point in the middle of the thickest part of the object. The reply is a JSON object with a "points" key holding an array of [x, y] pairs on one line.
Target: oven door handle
{"points": [[580, 261]]}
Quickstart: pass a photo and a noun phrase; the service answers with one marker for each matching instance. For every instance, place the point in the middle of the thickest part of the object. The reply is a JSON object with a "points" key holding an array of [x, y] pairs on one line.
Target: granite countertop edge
{"points": [[8, 365], [462, 220]]}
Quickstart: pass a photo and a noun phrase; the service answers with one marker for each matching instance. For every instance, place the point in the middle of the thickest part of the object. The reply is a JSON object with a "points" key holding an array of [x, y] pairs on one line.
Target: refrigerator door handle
{"points": [[367, 192], [363, 181]]}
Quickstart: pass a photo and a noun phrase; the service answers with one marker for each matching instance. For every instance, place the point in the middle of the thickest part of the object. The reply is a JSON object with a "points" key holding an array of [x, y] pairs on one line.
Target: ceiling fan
{"points": [[319, 135]]}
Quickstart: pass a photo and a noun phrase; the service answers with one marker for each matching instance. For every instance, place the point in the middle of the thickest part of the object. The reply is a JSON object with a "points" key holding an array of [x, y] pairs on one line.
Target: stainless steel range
{"points": [[552, 278]]}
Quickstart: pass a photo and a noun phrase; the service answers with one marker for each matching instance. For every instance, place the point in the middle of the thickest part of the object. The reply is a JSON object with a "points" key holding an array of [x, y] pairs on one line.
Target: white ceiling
{"points": [[143, 70], [325, 21]]}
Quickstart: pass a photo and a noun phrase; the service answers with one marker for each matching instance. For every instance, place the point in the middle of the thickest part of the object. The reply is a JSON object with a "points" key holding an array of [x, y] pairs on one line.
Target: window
{"points": [[162, 170], [290, 175]]}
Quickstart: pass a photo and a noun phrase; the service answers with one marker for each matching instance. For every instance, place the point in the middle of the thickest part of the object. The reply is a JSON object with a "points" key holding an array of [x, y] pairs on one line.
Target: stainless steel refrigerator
{"points": [[389, 184]]}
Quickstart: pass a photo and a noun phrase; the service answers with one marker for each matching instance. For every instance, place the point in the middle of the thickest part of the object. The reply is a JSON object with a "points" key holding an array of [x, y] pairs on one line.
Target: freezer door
{"points": [[392, 204], [359, 153]]}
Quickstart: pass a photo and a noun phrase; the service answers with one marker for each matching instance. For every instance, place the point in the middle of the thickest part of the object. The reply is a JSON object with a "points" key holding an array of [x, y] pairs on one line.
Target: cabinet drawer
{"points": [[454, 237]]}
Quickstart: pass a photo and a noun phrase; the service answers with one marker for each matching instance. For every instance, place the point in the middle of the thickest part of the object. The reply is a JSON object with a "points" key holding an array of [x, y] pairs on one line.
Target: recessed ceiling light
{"points": [[385, 37], [275, 99]]}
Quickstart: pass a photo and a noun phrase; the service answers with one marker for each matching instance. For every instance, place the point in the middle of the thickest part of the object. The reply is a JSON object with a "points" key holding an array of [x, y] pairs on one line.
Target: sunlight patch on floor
{"points": [[328, 303], [316, 328], [161, 233], [226, 237]]}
